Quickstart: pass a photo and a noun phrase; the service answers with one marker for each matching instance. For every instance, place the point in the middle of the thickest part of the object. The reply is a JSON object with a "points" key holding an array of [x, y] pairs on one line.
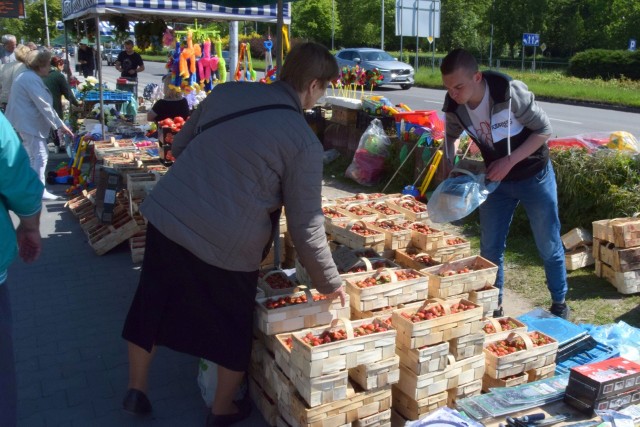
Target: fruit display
{"points": [[506, 323], [515, 344], [381, 279], [273, 303], [358, 211], [463, 270], [455, 241], [277, 281], [428, 313], [423, 228], [383, 208], [361, 229], [332, 213], [389, 226], [334, 335], [360, 268], [423, 258]]}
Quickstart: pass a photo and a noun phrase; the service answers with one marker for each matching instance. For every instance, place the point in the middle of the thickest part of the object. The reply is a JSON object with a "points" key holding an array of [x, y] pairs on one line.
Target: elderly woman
{"points": [[172, 105], [246, 152], [30, 112], [10, 71]]}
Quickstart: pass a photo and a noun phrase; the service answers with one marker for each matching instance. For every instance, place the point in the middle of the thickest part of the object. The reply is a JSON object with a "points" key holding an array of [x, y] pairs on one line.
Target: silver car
{"points": [[392, 70]]}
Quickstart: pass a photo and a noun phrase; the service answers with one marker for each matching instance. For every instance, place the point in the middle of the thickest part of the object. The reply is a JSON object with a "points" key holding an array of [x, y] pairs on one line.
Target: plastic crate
{"points": [[586, 350]]}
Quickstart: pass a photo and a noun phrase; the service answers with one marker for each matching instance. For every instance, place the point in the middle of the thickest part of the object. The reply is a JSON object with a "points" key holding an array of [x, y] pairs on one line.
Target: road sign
{"points": [[632, 45], [543, 47], [530, 39], [430, 39], [59, 25]]}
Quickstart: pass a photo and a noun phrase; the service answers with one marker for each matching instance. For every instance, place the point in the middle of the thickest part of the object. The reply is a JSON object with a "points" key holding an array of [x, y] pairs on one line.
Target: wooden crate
{"points": [[541, 373], [341, 233], [269, 291], [344, 116], [395, 236], [412, 409], [139, 185], [340, 355], [388, 294], [474, 388], [488, 382], [521, 361], [381, 419], [482, 272], [434, 331], [406, 204], [487, 298], [581, 256], [425, 237], [411, 257], [424, 360], [467, 346], [619, 259], [358, 211], [137, 245], [376, 375], [81, 203], [267, 404], [576, 237], [297, 316], [104, 237], [626, 283], [623, 232], [455, 247]]}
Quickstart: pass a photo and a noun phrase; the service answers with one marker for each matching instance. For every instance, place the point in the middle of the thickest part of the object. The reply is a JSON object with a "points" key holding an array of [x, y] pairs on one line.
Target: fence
{"points": [[428, 62]]}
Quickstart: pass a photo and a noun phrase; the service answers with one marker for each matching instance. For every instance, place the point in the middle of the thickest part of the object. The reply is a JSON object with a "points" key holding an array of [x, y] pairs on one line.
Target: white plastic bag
{"points": [[208, 381], [368, 161], [458, 196]]}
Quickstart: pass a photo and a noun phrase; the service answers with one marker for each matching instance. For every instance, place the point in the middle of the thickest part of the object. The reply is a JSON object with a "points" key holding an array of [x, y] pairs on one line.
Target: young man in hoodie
{"points": [[511, 131]]}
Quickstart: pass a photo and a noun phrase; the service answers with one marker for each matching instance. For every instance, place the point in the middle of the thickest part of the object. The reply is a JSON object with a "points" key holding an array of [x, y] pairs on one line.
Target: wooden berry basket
{"points": [[439, 329], [387, 294], [419, 387], [297, 316], [500, 333], [393, 239], [523, 360], [482, 272], [465, 371], [366, 214], [487, 298], [332, 216], [541, 373], [467, 346], [450, 251], [474, 388], [406, 257], [425, 359], [511, 381], [405, 204], [269, 291], [385, 211], [360, 198], [341, 233], [337, 356], [412, 409], [426, 241], [371, 376]]}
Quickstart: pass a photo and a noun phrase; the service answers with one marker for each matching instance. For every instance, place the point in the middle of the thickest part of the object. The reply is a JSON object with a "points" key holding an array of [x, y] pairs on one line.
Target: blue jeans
{"points": [[8, 387], [539, 198]]}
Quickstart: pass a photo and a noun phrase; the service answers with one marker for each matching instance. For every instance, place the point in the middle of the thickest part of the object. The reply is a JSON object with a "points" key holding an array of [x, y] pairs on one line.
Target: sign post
{"points": [[632, 45], [530, 39]]}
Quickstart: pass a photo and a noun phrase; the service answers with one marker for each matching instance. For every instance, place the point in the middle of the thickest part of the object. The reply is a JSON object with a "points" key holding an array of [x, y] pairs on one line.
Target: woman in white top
{"points": [[30, 112], [10, 71]]}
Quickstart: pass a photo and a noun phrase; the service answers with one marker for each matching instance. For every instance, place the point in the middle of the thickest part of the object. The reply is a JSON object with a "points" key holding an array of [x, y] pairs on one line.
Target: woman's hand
{"points": [[338, 293], [64, 130]]}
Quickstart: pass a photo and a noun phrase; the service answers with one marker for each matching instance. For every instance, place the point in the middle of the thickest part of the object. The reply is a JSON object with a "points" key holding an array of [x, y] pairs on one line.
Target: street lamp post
{"points": [[491, 40], [46, 23], [333, 23], [382, 28]]}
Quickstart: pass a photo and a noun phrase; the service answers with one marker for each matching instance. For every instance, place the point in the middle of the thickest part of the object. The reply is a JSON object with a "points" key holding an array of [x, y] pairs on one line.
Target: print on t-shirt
{"points": [[484, 132]]}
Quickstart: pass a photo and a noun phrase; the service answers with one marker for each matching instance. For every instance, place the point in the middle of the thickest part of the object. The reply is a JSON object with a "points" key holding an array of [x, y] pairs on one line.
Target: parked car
{"points": [[111, 55], [392, 70]]}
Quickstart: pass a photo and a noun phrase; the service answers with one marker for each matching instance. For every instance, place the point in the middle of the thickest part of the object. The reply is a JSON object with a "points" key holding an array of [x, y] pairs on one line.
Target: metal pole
{"points": [[382, 28], [333, 24], [534, 59], [417, 33], [522, 66], [46, 23], [433, 34], [280, 47], [100, 88], [401, 35], [491, 40]]}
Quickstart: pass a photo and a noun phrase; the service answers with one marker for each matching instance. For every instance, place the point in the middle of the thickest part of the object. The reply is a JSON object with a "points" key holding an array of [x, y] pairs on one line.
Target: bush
{"points": [[606, 64]]}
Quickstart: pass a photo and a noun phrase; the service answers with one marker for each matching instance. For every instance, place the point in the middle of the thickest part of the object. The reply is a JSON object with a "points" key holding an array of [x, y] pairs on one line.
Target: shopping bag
{"points": [[458, 196], [368, 161]]}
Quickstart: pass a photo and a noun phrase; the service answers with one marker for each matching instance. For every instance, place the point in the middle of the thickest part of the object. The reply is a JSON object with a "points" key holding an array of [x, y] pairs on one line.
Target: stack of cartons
{"points": [[616, 250], [578, 252], [441, 358]]}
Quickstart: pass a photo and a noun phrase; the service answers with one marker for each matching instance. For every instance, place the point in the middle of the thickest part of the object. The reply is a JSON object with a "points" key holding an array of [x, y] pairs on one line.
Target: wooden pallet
{"points": [[619, 259], [104, 237], [487, 298], [623, 232], [412, 409], [434, 331], [466, 346], [426, 359], [298, 316], [488, 382], [376, 375], [482, 274], [626, 283], [521, 361], [388, 294]]}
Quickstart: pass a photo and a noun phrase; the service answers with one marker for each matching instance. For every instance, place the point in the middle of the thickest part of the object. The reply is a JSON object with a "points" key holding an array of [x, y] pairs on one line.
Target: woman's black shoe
{"points": [[136, 402], [244, 410]]}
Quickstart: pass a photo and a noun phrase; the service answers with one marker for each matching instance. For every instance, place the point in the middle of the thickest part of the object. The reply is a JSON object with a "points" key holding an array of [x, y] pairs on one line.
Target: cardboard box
{"points": [[108, 185], [614, 402], [596, 381]]}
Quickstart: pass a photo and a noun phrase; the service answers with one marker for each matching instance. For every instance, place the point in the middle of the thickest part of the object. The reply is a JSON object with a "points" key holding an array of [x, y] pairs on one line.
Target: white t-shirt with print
{"points": [[481, 118]]}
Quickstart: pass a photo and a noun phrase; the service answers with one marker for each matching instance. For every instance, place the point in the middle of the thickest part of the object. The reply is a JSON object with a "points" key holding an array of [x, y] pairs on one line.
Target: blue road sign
{"points": [[530, 39], [632, 45]]}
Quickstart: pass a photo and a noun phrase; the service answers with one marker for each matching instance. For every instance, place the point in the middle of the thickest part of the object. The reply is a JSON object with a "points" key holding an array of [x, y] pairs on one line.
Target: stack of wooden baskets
{"points": [[616, 250]]}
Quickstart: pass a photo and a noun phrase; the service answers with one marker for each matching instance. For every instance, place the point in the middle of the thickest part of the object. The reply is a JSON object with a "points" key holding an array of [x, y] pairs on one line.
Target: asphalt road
{"points": [[567, 120]]}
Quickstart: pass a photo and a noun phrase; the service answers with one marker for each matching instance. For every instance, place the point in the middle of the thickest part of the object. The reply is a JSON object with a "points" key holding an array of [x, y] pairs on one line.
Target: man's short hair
{"points": [[457, 59], [129, 42], [307, 62], [8, 38]]}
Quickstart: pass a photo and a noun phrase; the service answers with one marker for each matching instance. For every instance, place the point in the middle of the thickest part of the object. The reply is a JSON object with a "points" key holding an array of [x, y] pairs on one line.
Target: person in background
{"points": [[21, 193], [86, 58], [173, 104], [6, 50], [32, 45], [57, 84], [30, 112], [9, 72], [129, 63], [511, 130], [214, 236]]}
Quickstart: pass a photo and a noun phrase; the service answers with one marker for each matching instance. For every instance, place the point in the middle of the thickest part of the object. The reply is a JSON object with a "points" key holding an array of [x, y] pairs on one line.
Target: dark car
{"points": [[392, 70], [111, 55]]}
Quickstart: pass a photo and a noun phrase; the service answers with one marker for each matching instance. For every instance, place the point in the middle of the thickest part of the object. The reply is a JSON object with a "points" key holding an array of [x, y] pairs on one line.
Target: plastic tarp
{"points": [[72, 9]]}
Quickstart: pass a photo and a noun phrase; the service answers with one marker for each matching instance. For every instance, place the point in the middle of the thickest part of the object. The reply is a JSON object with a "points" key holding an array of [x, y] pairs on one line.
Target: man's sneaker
{"points": [[499, 312], [560, 309]]}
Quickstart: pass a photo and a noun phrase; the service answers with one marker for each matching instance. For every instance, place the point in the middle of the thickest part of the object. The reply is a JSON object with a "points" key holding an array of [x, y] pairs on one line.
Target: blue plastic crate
{"points": [[585, 351]]}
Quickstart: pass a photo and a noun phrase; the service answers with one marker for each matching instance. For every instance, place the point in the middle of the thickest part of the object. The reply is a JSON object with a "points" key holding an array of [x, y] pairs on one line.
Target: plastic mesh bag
{"points": [[368, 161], [456, 197]]}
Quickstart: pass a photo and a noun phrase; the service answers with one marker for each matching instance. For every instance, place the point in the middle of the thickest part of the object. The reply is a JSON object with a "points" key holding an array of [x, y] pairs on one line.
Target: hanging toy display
{"points": [[244, 68], [270, 70], [207, 67], [222, 64]]}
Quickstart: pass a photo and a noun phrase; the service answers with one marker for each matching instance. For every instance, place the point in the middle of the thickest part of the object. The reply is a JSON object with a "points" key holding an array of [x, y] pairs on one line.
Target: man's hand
{"points": [[498, 169], [29, 243], [132, 71], [338, 293]]}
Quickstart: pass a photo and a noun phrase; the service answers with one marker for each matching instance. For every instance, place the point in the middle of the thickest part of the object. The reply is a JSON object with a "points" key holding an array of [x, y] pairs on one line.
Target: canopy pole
{"points": [[280, 50], [99, 68]]}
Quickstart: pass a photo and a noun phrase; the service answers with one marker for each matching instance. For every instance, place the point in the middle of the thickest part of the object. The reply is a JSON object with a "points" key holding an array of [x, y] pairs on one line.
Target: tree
{"points": [[463, 24], [311, 19], [364, 18], [511, 22], [565, 27]]}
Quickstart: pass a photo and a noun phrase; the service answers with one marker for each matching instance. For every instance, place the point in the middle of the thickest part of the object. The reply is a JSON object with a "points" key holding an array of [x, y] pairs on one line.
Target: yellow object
{"points": [[623, 141], [431, 172], [285, 38]]}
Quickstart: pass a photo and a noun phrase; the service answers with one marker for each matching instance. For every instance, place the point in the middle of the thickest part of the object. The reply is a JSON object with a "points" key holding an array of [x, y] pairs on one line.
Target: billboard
{"points": [[418, 18], [12, 9]]}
